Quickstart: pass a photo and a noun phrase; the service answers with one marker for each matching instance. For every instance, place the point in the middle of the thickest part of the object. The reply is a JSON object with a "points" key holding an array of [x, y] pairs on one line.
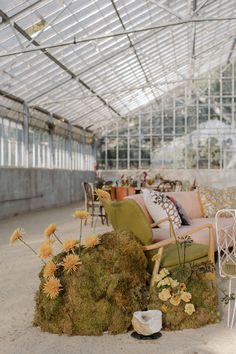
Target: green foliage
{"points": [[102, 294]]}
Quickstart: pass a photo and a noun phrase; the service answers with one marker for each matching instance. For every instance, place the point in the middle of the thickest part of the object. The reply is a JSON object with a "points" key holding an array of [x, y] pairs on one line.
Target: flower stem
{"points": [[57, 238], [80, 235], [27, 245]]}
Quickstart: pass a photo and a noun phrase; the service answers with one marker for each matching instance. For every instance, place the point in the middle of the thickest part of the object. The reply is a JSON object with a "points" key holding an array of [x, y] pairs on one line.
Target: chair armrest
{"points": [[195, 229], [158, 245], [155, 224]]}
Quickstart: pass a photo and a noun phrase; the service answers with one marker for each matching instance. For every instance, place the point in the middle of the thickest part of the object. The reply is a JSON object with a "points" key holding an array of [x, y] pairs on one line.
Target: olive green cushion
{"points": [[195, 253]]}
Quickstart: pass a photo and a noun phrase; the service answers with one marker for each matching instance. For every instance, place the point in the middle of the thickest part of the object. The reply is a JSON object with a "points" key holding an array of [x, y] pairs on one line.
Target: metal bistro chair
{"points": [[94, 207], [226, 242]]}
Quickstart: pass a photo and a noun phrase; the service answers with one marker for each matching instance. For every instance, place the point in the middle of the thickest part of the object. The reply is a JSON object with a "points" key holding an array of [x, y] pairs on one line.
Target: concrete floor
{"points": [[19, 281]]}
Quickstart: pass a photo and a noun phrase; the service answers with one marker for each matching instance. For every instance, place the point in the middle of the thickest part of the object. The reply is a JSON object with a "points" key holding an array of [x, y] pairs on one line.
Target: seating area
{"points": [[118, 176]]}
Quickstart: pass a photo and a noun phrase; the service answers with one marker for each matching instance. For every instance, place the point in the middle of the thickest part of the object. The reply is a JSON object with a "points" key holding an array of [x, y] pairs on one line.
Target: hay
{"points": [[102, 294]]}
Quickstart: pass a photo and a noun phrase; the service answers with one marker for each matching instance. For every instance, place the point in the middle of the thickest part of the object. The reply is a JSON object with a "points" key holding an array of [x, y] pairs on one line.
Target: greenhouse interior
{"points": [[118, 176]]}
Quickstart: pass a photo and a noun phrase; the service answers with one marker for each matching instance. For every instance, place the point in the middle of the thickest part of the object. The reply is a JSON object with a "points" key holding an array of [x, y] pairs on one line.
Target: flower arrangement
{"points": [[173, 292], [70, 254]]}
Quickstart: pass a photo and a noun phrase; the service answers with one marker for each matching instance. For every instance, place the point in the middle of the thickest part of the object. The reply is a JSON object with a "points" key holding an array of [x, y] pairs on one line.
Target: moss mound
{"points": [[102, 294], [204, 298]]}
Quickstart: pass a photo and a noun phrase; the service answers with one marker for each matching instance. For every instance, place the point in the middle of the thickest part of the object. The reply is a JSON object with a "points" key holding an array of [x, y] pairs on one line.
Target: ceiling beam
{"points": [[133, 47], [231, 51], [58, 63], [75, 40], [167, 9], [197, 9]]}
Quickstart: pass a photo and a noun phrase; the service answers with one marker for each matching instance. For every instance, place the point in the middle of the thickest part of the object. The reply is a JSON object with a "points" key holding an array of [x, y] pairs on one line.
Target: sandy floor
{"points": [[19, 281]]}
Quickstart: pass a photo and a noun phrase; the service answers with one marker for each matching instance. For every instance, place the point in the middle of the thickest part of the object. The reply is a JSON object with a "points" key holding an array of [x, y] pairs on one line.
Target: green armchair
{"points": [[128, 215]]}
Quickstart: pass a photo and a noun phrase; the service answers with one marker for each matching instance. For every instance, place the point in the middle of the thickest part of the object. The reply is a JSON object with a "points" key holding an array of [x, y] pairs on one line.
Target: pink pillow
{"points": [[190, 201]]}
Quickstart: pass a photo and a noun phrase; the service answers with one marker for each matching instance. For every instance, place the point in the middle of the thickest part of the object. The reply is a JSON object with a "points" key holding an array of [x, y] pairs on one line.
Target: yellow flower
{"points": [[102, 194], [16, 235], [182, 287], [156, 257], [186, 297], [165, 281], [164, 295], [49, 270], [174, 283], [164, 272], [50, 230], [164, 308], [70, 263], [175, 299], [52, 287], [92, 241], [189, 309], [45, 250], [81, 214], [69, 244]]}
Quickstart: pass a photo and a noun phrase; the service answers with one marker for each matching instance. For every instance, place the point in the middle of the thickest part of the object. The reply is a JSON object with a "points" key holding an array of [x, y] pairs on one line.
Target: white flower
{"points": [[164, 272]]}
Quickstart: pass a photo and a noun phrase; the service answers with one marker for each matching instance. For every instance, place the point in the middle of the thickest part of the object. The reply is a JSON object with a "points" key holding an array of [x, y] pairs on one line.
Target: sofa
{"points": [[191, 202]]}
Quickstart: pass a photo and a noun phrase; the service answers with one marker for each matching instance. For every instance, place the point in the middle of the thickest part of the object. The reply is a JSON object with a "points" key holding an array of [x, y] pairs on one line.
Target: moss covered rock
{"points": [[102, 294], [204, 298]]}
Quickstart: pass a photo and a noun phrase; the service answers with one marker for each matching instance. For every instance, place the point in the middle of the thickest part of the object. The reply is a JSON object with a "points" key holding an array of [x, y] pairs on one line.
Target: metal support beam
{"points": [[133, 47], [197, 9], [231, 51], [167, 9], [26, 135], [76, 41], [57, 62]]}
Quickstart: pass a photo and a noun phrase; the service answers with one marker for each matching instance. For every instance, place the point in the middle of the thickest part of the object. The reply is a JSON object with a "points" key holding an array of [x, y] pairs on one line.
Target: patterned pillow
{"points": [[185, 220], [160, 208], [214, 199]]}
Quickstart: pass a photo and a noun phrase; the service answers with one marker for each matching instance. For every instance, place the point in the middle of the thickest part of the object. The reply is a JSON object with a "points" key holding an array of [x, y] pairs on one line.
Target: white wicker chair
{"points": [[226, 243]]}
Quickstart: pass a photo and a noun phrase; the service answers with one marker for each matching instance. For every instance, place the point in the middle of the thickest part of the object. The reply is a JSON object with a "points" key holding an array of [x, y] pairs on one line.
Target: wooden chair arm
{"points": [[155, 224], [194, 229], [157, 245]]}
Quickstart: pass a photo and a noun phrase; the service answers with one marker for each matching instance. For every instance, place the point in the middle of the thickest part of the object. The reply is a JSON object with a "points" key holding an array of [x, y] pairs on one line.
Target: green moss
{"points": [[204, 298], [102, 294]]}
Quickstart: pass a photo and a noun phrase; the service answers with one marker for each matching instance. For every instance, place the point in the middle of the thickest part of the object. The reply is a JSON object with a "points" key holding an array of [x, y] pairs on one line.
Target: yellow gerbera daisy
{"points": [[49, 270], [16, 235], [68, 245], [45, 250], [50, 230], [71, 262], [92, 241], [52, 287], [102, 194], [81, 214]]}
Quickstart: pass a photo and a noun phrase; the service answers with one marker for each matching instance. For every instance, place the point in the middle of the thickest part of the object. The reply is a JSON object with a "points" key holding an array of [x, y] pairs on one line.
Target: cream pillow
{"points": [[160, 208]]}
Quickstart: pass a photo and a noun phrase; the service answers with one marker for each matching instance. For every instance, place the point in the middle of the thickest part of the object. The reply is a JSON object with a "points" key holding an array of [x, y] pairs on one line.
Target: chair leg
{"points": [[156, 267], [231, 315], [229, 305]]}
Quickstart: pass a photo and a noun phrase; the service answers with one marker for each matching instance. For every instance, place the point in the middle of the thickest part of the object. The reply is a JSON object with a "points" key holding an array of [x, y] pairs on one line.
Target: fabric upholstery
{"points": [[139, 199], [214, 199], [195, 253], [160, 208], [185, 220], [201, 236], [190, 201]]}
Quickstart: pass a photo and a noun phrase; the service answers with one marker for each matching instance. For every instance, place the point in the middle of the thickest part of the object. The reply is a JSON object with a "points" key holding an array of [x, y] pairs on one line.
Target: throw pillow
{"points": [[185, 219], [214, 199], [160, 208]]}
